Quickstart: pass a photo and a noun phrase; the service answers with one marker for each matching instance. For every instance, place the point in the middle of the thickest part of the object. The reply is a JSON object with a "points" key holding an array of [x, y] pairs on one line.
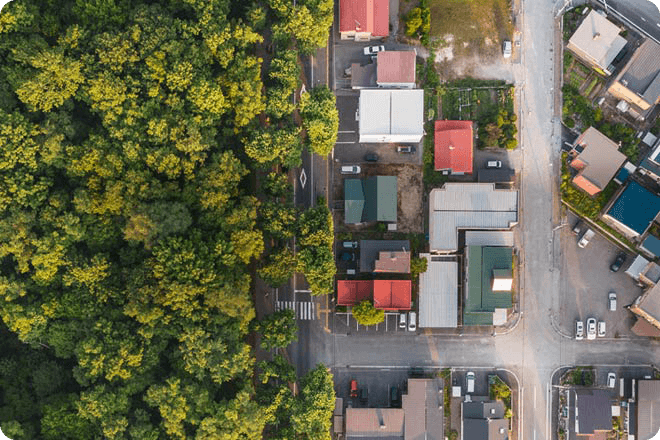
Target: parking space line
{"points": [[347, 143], [346, 131]]}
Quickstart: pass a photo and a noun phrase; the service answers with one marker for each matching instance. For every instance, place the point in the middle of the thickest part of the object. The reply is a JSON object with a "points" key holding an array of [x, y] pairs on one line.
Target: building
{"points": [[647, 306], [391, 115], [650, 166], [465, 206], [385, 294], [597, 42], [454, 145], [438, 293], [484, 420], [597, 159], [396, 69], [373, 199], [421, 415], [385, 256], [648, 409], [363, 20], [594, 411], [643, 271], [633, 211], [638, 83], [651, 244], [488, 285]]}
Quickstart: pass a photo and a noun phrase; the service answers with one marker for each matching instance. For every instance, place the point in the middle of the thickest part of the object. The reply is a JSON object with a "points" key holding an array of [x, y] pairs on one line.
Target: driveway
{"points": [[586, 281]]}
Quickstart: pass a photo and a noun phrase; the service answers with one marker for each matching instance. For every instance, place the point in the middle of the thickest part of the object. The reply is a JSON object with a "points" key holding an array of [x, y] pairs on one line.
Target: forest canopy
{"points": [[137, 137]]}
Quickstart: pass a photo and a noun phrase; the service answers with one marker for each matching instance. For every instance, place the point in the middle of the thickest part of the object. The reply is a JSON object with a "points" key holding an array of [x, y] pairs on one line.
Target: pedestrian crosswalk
{"points": [[305, 310]]}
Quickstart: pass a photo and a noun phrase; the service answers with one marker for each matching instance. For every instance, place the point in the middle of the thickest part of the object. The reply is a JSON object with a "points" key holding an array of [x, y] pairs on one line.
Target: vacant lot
{"points": [[477, 25]]}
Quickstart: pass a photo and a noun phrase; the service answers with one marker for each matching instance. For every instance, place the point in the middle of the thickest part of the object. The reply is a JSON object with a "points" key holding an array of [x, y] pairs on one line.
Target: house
{"points": [[597, 159], [396, 69], [643, 271], [633, 211], [650, 166], [651, 244], [597, 42], [638, 83], [648, 409], [373, 199], [385, 256], [391, 115], [454, 144], [438, 293], [594, 411], [385, 294], [484, 420], [362, 20], [421, 415], [468, 206], [488, 285], [647, 306]]}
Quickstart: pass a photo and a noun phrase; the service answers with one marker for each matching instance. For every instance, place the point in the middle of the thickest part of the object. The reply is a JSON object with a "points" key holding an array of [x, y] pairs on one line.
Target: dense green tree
{"points": [[313, 408], [366, 314], [278, 329], [320, 119], [278, 267]]}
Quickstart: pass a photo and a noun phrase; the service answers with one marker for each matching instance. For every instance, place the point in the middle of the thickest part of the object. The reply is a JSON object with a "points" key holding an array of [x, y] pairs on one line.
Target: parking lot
{"points": [[377, 382], [345, 324], [586, 282]]}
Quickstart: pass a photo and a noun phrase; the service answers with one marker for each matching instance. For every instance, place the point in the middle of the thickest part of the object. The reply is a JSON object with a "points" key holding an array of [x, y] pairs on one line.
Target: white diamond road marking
{"points": [[304, 310], [303, 178]]}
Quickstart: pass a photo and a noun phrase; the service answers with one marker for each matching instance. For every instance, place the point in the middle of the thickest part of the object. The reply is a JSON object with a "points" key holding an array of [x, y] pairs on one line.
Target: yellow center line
{"points": [[435, 357]]}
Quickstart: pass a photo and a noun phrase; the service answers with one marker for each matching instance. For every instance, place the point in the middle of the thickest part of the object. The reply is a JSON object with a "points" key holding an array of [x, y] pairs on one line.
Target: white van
{"points": [[469, 379], [412, 321], [350, 169]]}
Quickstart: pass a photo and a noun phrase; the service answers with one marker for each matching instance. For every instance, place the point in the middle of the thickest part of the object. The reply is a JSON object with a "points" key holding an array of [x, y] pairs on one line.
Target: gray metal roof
{"points": [[489, 238], [648, 409], [597, 40], [445, 225], [438, 294], [594, 410], [369, 250], [641, 73]]}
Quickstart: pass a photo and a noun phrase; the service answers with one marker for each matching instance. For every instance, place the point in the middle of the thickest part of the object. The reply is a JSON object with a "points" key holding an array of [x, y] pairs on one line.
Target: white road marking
{"points": [[346, 131], [534, 397], [346, 143]]}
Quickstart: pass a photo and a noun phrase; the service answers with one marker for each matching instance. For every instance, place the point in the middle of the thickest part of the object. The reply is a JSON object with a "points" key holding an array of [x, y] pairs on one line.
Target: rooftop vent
{"points": [[501, 430], [596, 35], [492, 410]]}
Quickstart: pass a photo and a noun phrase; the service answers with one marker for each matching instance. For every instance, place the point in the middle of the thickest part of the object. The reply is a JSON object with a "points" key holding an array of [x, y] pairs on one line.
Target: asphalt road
{"points": [[641, 13]]}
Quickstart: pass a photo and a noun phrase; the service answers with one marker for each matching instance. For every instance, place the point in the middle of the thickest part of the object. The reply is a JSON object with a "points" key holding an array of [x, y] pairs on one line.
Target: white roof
{"points": [[391, 115], [637, 266], [489, 238], [499, 316], [438, 294], [468, 206]]}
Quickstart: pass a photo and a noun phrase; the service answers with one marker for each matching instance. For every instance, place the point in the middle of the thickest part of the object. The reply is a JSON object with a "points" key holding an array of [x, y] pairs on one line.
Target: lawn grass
{"points": [[472, 22]]}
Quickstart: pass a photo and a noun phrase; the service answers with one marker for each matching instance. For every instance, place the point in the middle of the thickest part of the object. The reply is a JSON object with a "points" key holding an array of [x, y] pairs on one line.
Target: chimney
{"points": [[596, 35], [501, 430]]}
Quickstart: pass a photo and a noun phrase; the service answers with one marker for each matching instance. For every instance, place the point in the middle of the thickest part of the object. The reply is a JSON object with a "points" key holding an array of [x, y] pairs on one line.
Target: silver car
{"points": [[579, 330], [591, 328]]}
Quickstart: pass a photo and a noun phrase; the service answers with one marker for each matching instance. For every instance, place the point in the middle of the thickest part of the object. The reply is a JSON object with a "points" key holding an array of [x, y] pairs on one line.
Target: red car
{"points": [[354, 388]]}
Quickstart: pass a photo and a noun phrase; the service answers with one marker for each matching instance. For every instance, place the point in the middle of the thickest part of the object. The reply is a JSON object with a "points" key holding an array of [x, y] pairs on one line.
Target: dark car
{"points": [[371, 157], [395, 396], [354, 388], [618, 262], [578, 227], [347, 256], [364, 395]]}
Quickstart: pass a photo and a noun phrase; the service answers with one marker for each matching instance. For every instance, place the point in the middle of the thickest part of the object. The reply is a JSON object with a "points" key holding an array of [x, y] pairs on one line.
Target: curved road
{"points": [[534, 349]]}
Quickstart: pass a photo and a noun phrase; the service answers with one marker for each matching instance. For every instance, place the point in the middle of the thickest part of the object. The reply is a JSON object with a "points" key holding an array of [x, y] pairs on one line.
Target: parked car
{"points": [[347, 256], [402, 321], [618, 262], [350, 244], [601, 329], [351, 169], [354, 388], [494, 164], [577, 227], [579, 330], [373, 50], [507, 50], [412, 321], [408, 149], [591, 328], [611, 380], [469, 381], [364, 395], [371, 157], [586, 237], [395, 396], [611, 297]]}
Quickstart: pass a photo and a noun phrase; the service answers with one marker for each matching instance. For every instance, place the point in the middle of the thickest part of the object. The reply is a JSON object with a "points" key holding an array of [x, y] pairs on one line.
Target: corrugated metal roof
{"points": [[597, 39], [380, 194], [648, 409], [453, 146], [396, 66], [642, 70], [392, 294], [489, 238], [351, 292], [370, 16], [444, 228], [438, 294], [353, 201], [481, 301], [391, 115]]}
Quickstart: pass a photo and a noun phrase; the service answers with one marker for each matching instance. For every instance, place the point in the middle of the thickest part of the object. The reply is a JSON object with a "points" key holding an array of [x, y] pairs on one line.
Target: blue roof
{"points": [[622, 175], [652, 244], [636, 207]]}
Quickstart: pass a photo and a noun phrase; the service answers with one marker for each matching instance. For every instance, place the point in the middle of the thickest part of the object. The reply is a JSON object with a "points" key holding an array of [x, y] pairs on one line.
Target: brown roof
{"points": [[599, 160], [396, 66], [648, 409], [374, 422], [389, 261], [643, 328], [423, 409]]}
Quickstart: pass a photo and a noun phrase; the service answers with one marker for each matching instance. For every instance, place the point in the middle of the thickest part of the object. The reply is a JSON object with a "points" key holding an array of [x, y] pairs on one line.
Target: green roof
{"points": [[484, 263], [353, 200], [370, 200]]}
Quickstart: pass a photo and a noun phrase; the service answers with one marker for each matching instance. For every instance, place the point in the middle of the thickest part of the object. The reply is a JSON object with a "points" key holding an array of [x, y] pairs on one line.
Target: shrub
{"points": [[366, 314]]}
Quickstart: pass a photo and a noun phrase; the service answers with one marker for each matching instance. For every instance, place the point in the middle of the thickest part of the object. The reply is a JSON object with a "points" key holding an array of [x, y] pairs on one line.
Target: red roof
{"points": [[351, 292], [453, 146], [583, 183], [392, 294], [396, 66], [370, 16]]}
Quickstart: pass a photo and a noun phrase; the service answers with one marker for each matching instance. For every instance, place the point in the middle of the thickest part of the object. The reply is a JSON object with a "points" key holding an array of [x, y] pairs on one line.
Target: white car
{"points": [[351, 169], [579, 330], [402, 321], [412, 321], [373, 50], [591, 328], [611, 380], [507, 49], [601, 329], [612, 301]]}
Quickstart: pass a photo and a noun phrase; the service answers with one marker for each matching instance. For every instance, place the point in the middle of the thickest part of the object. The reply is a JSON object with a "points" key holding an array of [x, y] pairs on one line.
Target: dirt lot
{"points": [[409, 196]]}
